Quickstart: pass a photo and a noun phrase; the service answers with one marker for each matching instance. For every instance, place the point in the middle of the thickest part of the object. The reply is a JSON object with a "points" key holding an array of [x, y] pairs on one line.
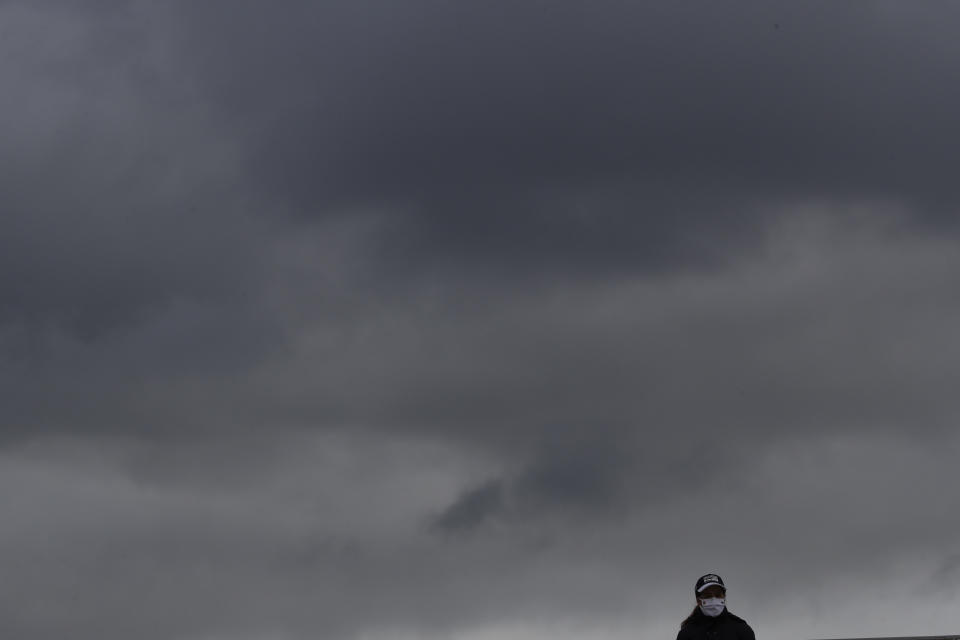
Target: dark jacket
{"points": [[725, 626]]}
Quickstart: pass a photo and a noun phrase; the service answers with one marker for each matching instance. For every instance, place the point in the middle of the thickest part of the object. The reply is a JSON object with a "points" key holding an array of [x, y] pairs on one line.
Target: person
{"points": [[710, 619]]}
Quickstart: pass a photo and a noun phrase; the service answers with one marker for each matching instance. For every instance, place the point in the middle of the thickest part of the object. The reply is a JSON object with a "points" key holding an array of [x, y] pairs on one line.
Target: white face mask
{"points": [[712, 606]]}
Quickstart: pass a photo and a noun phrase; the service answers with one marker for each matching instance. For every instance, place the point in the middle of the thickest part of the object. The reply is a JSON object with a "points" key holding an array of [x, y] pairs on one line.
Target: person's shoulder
{"points": [[745, 631], [735, 618]]}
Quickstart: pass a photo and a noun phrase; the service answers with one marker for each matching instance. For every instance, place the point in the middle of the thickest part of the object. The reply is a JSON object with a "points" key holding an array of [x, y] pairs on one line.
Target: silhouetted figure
{"points": [[710, 619]]}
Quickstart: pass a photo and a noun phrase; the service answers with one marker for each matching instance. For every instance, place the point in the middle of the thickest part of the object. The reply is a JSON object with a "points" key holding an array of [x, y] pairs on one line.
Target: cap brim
{"points": [[711, 584]]}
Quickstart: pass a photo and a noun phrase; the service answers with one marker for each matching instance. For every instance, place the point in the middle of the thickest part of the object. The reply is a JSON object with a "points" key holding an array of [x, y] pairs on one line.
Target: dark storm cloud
{"points": [[597, 477], [472, 508], [495, 129], [553, 138], [117, 194], [494, 93], [582, 481]]}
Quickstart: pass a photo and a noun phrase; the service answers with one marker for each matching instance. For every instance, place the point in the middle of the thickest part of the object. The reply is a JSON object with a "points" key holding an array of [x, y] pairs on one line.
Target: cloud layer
{"points": [[422, 320]]}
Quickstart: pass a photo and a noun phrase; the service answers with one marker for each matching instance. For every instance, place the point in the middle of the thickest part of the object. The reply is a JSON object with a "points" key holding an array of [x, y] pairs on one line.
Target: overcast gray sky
{"points": [[423, 320]]}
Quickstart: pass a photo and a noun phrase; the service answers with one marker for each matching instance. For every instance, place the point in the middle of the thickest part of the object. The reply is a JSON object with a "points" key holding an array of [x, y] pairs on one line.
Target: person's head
{"points": [[711, 594]]}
